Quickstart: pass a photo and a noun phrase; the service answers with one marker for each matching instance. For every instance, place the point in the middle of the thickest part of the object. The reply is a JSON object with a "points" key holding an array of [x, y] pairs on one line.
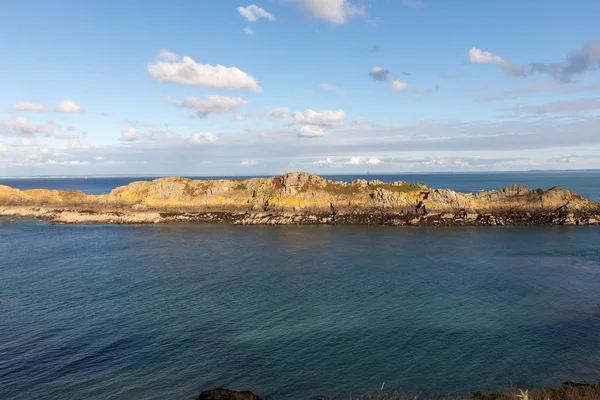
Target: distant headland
{"points": [[298, 198]]}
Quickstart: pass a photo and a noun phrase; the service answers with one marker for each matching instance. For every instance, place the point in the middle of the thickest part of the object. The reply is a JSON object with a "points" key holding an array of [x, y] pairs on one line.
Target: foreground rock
{"points": [[226, 394], [300, 198]]}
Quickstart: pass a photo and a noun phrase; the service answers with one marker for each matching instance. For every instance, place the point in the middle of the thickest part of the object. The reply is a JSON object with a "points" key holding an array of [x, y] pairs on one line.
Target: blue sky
{"points": [[338, 86]]}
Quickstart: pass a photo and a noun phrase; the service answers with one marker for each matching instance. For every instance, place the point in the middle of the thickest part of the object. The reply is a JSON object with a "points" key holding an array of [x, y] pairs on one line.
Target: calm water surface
{"points": [[162, 312]]}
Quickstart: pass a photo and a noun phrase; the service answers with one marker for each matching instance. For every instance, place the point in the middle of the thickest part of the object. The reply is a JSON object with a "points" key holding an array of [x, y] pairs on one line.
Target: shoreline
{"points": [[301, 199], [407, 219]]}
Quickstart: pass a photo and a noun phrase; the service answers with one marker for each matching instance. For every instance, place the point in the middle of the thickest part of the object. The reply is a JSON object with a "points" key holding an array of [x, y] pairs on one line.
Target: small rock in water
{"points": [[226, 394]]}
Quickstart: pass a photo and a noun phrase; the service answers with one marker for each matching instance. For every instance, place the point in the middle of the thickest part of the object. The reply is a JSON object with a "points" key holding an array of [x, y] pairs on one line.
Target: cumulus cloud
{"points": [[65, 106], [253, 13], [130, 135], [577, 63], [21, 126], [239, 117], [364, 160], [398, 85], [379, 73], [326, 118], [477, 56], [213, 104], [203, 138], [334, 11], [248, 31], [29, 106], [280, 112], [167, 55], [333, 88], [560, 107], [69, 106], [311, 131], [188, 72]]}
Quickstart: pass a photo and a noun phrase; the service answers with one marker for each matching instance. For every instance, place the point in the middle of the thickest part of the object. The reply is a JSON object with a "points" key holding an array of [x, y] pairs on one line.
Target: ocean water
{"points": [[295, 312]]}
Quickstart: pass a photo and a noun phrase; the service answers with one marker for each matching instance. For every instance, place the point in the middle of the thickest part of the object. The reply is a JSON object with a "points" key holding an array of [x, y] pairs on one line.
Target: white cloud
{"points": [[337, 161], [363, 160], [249, 163], [167, 55], [567, 158], [334, 11], [203, 138], [22, 126], [327, 161], [239, 117], [397, 84], [29, 106], [189, 72], [379, 73], [320, 118], [62, 136], [130, 135], [280, 112], [477, 56], [69, 106], [333, 88], [213, 104], [311, 131], [76, 144], [6, 148], [25, 142], [248, 31], [73, 162], [253, 13]]}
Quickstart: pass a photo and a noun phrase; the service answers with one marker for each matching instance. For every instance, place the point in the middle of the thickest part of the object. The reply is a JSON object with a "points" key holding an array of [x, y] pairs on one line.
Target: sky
{"points": [[223, 87]]}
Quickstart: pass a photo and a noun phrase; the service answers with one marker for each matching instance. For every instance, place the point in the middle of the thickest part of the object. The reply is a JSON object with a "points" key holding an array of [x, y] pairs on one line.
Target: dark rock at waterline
{"points": [[227, 394]]}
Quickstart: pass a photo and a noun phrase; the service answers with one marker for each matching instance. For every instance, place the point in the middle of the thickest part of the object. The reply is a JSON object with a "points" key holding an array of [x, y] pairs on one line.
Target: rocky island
{"points": [[300, 198]]}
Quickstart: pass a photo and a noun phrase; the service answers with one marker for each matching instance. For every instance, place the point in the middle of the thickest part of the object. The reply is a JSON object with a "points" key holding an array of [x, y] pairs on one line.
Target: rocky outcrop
{"points": [[226, 394], [300, 198]]}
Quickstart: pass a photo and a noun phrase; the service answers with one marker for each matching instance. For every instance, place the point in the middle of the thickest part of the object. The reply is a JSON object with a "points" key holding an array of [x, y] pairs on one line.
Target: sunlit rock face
{"points": [[298, 198]]}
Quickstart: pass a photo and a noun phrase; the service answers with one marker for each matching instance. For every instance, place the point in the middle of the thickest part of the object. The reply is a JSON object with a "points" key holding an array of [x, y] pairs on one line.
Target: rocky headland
{"points": [[300, 198]]}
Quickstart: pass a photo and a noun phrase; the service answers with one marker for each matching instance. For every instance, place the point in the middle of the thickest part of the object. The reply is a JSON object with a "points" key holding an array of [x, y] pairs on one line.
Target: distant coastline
{"points": [[266, 174]]}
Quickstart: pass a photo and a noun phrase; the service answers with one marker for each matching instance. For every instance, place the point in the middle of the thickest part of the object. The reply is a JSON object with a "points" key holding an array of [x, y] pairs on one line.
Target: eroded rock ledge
{"points": [[300, 198]]}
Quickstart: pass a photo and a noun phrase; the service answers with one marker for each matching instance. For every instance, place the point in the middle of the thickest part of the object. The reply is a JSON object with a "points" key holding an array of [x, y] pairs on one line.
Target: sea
{"points": [[297, 312]]}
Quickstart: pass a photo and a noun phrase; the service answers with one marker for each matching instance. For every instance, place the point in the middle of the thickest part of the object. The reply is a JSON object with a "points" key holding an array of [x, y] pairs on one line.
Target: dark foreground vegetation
{"points": [[570, 391]]}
